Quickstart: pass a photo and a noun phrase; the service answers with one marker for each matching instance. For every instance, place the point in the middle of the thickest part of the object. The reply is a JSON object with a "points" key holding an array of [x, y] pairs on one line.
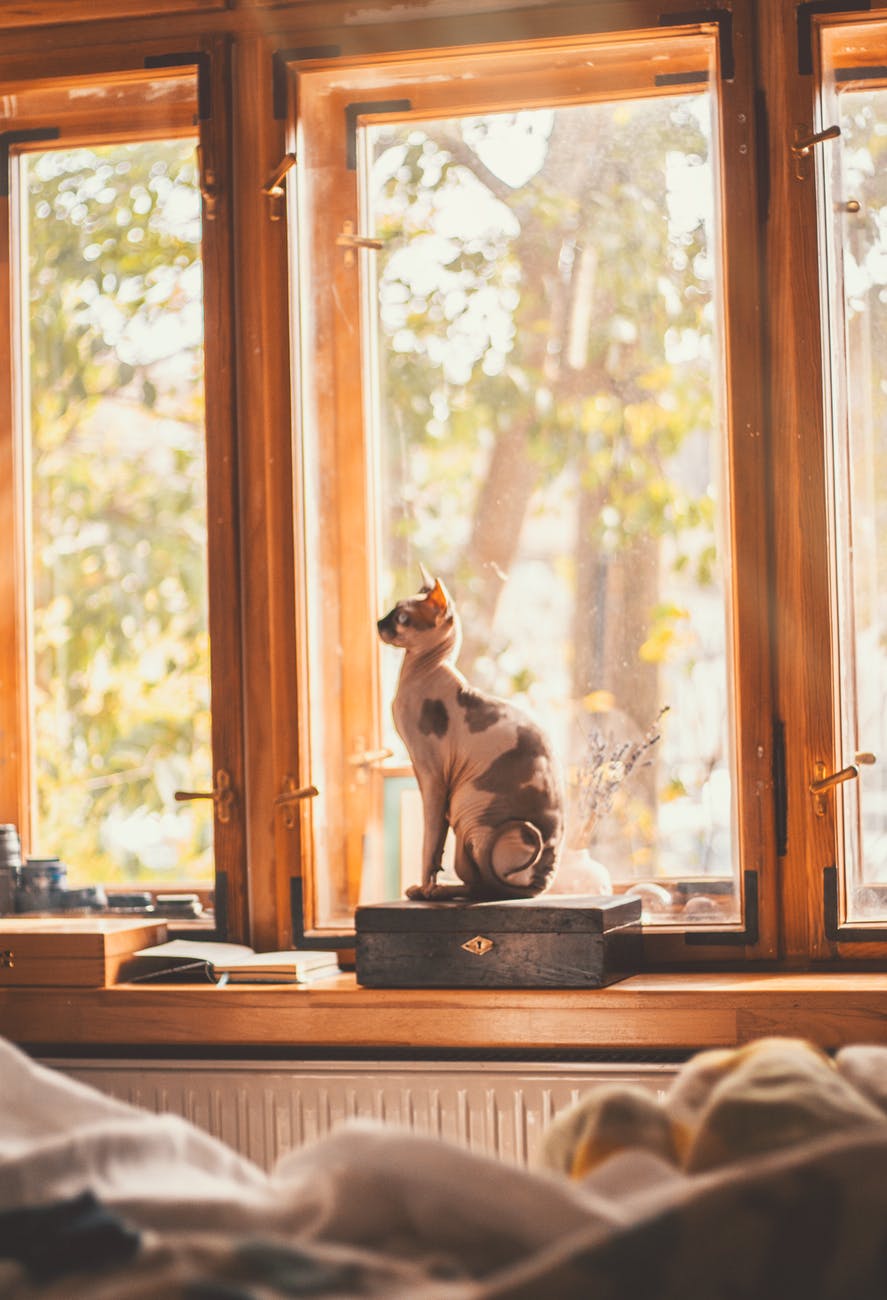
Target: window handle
{"points": [[273, 188], [370, 757], [290, 794], [363, 759], [349, 241], [209, 190], [804, 143], [824, 781], [221, 794]]}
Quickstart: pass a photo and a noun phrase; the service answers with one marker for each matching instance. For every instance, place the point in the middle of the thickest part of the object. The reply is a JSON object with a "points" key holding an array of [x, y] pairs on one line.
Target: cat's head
{"points": [[421, 621]]}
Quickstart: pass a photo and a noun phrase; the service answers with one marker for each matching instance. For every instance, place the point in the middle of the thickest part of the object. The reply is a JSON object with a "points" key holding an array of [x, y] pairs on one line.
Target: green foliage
{"points": [[120, 642], [482, 290], [549, 380]]}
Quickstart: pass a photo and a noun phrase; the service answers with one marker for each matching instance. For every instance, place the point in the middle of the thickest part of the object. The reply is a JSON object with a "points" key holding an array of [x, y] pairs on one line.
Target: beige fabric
{"points": [[761, 1175], [726, 1106]]}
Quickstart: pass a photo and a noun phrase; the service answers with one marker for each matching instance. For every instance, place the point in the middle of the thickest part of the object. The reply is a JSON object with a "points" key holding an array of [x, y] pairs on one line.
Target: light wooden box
{"points": [[77, 951]]}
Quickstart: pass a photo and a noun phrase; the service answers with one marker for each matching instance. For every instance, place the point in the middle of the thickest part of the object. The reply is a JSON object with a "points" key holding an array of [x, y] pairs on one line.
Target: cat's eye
{"points": [[402, 618]]}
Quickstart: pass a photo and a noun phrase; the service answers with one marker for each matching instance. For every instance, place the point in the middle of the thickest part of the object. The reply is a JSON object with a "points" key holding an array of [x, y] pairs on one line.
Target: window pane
{"points": [[114, 421], [858, 247], [550, 440]]}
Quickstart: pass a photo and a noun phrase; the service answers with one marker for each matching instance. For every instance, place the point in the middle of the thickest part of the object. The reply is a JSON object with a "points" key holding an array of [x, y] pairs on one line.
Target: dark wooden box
{"points": [[548, 942]]}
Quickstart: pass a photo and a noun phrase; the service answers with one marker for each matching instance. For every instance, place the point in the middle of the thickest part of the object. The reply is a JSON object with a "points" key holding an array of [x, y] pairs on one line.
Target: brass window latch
{"points": [[274, 190], [804, 143], [209, 188], [293, 793], [221, 794], [824, 781], [349, 241], [363, 759]]}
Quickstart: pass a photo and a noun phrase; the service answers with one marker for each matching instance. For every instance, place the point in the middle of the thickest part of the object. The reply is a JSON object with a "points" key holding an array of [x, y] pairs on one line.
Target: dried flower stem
{"points": [[605, 768]]}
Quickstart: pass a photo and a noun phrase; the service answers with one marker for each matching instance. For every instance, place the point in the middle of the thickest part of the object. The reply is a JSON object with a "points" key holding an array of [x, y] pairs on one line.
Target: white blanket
{"points": [[375, 1211]]}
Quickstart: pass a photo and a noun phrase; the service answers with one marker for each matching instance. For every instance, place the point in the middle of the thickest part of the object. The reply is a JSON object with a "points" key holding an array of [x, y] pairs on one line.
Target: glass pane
{"points": [[114, 417], [859, 311], [551, 444]]}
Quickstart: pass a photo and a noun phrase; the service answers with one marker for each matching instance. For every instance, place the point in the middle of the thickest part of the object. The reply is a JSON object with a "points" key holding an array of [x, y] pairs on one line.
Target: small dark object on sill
{"points": [[179, 907], [133, 901]]}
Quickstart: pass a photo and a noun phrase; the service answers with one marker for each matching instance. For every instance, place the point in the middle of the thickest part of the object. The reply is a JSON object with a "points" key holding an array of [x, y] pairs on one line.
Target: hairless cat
{"points": [[483, 766]]}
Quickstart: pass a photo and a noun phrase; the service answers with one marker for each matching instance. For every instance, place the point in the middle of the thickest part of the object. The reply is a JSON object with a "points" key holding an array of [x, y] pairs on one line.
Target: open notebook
{"points": [[186, 959]]}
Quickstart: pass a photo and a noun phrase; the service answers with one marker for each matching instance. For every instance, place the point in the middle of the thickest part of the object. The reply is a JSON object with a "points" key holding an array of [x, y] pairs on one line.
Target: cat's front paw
{"points": [[438, 893]]}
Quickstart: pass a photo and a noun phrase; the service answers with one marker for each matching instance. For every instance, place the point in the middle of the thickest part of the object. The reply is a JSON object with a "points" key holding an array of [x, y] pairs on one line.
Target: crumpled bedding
{"points": [[763, 1173]]}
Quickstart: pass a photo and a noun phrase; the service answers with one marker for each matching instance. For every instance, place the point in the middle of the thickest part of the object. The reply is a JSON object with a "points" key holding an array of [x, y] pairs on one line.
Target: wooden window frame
{"points": [[340, 408], [777, 359], [37, 100], [790, 74]]}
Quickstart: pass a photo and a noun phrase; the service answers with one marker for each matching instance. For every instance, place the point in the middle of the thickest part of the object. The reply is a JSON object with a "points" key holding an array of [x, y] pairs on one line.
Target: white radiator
{"points": [[265, 1108]]}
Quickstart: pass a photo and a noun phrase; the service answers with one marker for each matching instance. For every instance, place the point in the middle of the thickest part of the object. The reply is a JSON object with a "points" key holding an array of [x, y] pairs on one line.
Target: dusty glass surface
{"points": [[858, 313], [113, 414], [546, 382]]}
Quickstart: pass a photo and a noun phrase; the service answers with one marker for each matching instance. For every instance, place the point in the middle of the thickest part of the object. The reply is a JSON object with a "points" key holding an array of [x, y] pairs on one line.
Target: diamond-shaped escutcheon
{"points": [[478, 945]]}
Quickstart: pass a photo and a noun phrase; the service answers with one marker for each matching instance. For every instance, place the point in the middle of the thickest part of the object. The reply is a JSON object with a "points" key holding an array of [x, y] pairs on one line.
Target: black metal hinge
{"points": [[724, 20], [747, 936], [354, 111], [762, 155], [806, 12], [780, 788], [297, 916], [876, 73], [220, 904], [681, 79], [10, 138], [279, 61], [185, 59], [834, 932]]}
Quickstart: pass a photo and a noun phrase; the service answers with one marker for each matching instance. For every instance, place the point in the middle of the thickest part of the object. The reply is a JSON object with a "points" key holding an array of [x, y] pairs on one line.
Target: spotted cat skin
{"points": [[483, 766]]}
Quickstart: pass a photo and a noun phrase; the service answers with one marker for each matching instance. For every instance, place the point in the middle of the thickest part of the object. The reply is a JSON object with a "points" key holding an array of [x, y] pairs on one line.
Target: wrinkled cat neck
{"points": [[446, 641]]}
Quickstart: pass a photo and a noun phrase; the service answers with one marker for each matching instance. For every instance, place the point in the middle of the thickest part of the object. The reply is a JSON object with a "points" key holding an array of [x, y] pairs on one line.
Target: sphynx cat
{"points": [[483, 766]]}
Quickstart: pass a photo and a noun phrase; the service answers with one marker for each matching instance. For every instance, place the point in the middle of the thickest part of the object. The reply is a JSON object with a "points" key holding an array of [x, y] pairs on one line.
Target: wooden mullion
{"points": [[225, 609], [270, 663], [745, 412], [356, 545], [795, 437], [14, 786], [335, 569]]}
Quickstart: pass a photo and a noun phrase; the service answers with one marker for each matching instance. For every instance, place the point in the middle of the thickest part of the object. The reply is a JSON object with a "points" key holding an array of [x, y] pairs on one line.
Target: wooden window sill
{"points": [[645, 1012]]}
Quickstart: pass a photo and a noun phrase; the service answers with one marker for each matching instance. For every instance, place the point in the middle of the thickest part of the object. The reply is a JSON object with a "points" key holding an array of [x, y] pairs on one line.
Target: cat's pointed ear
{"points": [[427, 580], [438, 598]]}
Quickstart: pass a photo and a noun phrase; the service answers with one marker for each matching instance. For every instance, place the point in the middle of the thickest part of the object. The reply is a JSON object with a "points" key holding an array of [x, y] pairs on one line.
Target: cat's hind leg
{"points": [[465, 868], [514, 854]]}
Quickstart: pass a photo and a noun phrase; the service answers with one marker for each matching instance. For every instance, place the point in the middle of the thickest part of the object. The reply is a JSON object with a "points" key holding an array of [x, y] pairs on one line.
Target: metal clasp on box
{"points": [[478, 945], [7, 959]]}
